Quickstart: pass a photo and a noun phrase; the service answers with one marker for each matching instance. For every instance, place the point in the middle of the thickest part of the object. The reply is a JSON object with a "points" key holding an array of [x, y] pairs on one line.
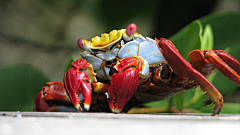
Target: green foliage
{"points": [[207, 38], [188, 39], [19, 85]]}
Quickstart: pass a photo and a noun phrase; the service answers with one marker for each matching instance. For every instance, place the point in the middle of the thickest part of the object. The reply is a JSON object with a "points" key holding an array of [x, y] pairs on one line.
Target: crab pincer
{"points": [[77, 81], [123, 84], [178, 63], [53, 92]]}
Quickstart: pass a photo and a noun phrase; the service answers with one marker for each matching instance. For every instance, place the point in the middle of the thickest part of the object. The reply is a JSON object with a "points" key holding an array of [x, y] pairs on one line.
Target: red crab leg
{"points": [[123, 84], [169, 51], [225, 63], [230, 60], [55, 91], [76, 81]]}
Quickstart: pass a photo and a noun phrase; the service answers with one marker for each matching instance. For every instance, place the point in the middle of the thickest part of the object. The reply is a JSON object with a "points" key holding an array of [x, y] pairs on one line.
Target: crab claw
{"points": [[39, 102], [53, 92], [77, 81], [178, 63], [123, 84]]}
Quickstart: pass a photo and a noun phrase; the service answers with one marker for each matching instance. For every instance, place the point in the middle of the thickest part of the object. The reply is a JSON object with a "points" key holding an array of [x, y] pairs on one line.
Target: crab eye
{"points": [[44, 92], [81, 43], [131, 29]]}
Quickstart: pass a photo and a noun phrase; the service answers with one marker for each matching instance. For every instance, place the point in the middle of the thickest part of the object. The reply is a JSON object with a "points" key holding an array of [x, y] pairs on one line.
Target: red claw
{"points": [[55, 91], [123, 84], [39, 102], [77, 81]]}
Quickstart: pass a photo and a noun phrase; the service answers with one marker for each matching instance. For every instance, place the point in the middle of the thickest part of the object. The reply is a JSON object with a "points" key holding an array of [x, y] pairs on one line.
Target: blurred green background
{"points": [[37, 37]]}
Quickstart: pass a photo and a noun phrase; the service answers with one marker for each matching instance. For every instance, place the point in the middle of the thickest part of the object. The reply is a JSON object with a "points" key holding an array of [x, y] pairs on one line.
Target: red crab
{"points": [[101, 83]]}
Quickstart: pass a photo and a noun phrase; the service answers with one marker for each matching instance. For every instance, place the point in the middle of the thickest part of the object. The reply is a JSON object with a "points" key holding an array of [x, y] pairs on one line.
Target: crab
{"points": [[123, 69]]}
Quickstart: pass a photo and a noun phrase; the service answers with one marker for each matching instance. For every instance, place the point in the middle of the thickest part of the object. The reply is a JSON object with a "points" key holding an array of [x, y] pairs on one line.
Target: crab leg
{"points": [[223, 61], [223, 67], [172, 55], [230, 60], [123, 84], [77, 81]]}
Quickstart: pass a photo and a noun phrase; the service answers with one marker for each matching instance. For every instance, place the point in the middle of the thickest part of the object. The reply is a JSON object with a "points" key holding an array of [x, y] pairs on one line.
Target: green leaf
{"points": [[225, 27], [207, 40], [19, 85], [188, 39], [68, 63]]}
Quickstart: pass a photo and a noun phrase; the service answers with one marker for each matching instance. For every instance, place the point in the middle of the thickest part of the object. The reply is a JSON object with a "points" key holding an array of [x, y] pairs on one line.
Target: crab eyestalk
{"points": [[130, 31], [77, 81], [84, 44]]}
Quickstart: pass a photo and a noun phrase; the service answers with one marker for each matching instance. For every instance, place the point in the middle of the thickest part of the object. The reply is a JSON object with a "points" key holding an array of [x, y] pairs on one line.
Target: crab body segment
{"points": [[123, 69]]}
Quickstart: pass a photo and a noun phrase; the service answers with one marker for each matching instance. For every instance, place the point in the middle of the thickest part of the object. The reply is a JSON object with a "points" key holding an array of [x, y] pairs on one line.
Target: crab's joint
{"points": [[205, 54]]}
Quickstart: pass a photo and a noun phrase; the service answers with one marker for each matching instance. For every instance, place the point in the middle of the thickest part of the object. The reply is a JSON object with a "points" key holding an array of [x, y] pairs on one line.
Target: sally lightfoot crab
{"points": [[123, 69]]}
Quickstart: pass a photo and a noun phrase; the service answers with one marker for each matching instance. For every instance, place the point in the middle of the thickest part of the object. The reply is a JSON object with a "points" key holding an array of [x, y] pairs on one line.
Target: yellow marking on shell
{"points": [[87, 42], [106, 39]]}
